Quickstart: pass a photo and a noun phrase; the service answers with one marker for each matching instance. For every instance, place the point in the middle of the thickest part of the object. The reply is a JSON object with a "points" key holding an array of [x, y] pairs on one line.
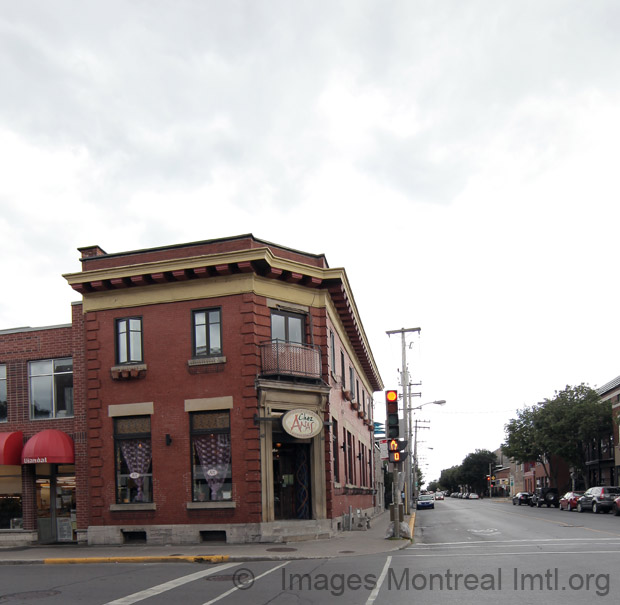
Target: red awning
{"points": [[11, 447], [51, 446]]}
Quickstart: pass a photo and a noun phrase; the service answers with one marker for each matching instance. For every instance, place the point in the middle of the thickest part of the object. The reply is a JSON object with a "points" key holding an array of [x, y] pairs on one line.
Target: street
{"points": [[464, 551]]}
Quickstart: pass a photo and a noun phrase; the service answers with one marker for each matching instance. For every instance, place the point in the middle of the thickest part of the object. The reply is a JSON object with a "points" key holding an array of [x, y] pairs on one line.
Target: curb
{"points": [[163, 559]]}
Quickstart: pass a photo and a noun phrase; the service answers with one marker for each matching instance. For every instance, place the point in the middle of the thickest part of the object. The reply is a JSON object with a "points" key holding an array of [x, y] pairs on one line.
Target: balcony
{"points": [[290, 359]]}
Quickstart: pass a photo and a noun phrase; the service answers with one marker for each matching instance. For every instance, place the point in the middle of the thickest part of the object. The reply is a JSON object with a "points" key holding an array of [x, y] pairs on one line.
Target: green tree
{"points": [[475, 468], [448, 479], [561, 427]]}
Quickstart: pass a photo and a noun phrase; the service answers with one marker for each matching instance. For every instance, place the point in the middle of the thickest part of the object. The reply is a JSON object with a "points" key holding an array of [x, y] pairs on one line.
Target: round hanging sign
{"points": [[134, 475], [212, 472], [302, 424]]}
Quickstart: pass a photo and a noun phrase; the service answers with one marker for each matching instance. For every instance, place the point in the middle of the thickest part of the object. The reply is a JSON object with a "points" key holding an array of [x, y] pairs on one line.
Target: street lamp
{"points": [[413, 489]]}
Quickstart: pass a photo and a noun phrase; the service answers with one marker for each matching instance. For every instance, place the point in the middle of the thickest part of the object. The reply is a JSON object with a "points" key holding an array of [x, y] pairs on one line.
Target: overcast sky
{"points": [[458, 158]]}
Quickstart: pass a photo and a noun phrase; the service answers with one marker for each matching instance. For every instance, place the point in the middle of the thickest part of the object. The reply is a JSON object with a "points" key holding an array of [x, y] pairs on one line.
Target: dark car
{"points": [[521, 498], [545, 495], [598, 499], [569, 500]]}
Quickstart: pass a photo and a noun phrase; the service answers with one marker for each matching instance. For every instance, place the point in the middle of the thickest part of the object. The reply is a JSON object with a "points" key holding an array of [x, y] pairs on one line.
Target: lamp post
{"points": [[414, 488]]}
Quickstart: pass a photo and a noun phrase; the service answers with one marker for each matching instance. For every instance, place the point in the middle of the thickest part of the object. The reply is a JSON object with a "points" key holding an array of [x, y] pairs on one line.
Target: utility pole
{"points": [[404, 381], [415, 453]]}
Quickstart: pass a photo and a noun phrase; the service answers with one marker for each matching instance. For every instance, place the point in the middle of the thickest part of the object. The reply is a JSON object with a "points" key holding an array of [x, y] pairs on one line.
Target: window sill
{"points": [[206, 361], [205, 365], [203, 505], [129, 371], [138, 506]]}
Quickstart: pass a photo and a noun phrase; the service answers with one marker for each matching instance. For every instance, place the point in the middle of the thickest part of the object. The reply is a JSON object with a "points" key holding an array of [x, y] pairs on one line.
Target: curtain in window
{"points": [[137, 454], [214, 456]]}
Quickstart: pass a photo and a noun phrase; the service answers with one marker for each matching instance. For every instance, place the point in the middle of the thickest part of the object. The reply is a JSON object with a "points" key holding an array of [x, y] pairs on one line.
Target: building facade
{"points": [[43, 451], [228, 394]]}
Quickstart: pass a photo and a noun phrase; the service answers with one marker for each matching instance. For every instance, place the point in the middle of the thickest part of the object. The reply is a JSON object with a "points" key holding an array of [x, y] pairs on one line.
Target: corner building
{"points": [[228, 394]]}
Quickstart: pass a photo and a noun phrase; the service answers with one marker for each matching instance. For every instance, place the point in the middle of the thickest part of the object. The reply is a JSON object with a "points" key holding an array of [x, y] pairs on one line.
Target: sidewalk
{"points": [[345, 544]]}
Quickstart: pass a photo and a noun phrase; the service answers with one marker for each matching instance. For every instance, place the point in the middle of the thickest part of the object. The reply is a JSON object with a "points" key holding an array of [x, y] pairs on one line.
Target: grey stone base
{"points": [[162, 535], [18, 537]]}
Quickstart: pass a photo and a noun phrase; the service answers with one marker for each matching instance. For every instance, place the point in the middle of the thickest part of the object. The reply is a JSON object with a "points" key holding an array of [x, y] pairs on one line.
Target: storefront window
{"points": [[3, 393], [10, 497], [134, 472], [211, 469]]}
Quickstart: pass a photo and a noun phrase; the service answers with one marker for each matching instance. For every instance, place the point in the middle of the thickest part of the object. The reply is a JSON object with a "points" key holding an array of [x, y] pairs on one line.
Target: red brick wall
{"points": [[16, 350]]}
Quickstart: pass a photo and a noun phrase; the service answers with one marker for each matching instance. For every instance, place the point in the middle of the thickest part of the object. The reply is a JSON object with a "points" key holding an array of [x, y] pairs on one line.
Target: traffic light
{"points": [[391, 422], [396, 449]]}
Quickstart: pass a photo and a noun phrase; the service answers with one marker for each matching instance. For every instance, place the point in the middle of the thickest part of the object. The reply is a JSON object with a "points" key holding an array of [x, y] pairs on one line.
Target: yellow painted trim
{"points": [[153, 559], [130, 409], [209, 403]]}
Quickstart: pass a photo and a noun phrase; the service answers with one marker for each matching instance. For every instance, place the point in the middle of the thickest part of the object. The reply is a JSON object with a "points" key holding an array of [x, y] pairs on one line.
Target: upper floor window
{"points": [[207, 332], [352, 382], [51, 388], [3, 394], [287, 326], [134, 462], [332, 352], [129, 340]]}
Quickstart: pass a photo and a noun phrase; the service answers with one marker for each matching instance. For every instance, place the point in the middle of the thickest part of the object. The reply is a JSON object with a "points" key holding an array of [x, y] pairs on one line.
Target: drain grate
{"points": [[345, 552], [282, 549]]}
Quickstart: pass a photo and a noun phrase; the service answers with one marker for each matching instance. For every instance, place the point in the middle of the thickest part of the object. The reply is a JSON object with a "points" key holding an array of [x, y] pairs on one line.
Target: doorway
{"points": [[56, 501], [291, 478]]}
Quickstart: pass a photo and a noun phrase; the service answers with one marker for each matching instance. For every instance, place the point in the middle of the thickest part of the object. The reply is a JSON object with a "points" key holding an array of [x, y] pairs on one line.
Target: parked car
{"points": [[474, 496], [569, 500], [598, 499], [439, 496], [521, 498], [545, 495], [425, 501]]}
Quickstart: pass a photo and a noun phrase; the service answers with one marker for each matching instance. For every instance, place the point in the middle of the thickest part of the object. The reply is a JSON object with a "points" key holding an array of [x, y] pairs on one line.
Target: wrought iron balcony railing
{"points": [[281, 358]]}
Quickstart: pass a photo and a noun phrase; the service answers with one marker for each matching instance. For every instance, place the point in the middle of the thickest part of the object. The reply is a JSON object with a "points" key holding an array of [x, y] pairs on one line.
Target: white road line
{"points": [[236, 588], [377, 588], [527, 540], [502, 545], [155, 590], [519, 552]]}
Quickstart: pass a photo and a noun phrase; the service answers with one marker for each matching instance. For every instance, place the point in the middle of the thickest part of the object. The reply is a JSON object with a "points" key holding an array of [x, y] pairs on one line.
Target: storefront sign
{"points": [[35, 460], [302, 424]]}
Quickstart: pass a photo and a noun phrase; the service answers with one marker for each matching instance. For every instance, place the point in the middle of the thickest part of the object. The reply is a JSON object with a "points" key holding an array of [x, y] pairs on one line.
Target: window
{"points": [[351, 453], [287, 326], [336, 451], [211, 468], [342, 375], [332, 352], [207, 332], [3, 394], [51, 388], [352, 383], [344, 446], [129, 340], [134, 464]]}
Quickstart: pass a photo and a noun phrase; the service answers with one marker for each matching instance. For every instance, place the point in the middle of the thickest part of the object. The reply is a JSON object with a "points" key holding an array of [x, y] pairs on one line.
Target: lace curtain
{"points": [[214, 455], [137, 455]]}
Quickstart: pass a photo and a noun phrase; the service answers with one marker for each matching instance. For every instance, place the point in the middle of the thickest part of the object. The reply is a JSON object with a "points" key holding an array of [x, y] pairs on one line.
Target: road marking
{"points": [[237, 588], [524, 540], [377, 588], [536, 552], [155, 590], [491, 544]]}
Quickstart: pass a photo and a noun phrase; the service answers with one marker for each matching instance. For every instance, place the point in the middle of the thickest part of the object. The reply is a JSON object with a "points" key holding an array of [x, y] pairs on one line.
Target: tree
{"points": [[475, 468], [433, 486], [448, 479], [559, 427]]}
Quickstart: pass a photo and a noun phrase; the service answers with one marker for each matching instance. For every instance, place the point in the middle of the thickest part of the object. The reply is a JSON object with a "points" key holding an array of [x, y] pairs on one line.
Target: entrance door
{"points": [[291, 479], [56, 518]]}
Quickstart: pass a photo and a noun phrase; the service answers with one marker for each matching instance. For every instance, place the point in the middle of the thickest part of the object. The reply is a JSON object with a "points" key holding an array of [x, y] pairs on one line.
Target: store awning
{"points": [[50, 446], [11, 445]]}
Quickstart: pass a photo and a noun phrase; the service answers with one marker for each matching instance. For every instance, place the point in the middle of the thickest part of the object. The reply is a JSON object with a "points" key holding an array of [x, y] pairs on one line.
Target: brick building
{"points": [[228, 393], [43, 456]]}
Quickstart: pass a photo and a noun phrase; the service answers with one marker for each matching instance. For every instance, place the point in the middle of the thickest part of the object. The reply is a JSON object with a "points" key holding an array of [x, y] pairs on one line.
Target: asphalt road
{"points": [[464, 552]]}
